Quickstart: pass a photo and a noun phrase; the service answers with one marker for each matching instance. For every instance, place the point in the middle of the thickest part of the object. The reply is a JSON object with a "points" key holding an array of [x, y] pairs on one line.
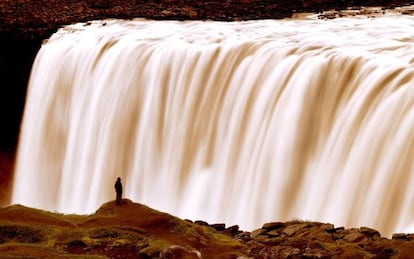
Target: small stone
{"points": [[410, 237], [274, 240], [273, 233], [337, 232], [370, 232], [257, 232], [336, 236], [401, 237], [202, 223], [291, 252], [292, 229], [266, 252], [244, 236], [330, 228], [166, 13], [273, 225], [354, 237], [316, 253], [233, 230], [261, 239], [219, 226]]}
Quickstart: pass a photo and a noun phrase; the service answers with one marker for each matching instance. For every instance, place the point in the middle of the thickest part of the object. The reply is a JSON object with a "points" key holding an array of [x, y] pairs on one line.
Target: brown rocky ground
{"points": [[127, 231], [137, 231]]}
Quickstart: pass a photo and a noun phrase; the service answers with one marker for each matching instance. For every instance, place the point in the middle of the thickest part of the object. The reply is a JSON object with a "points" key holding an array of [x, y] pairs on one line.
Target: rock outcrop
{"points": [[136, 231], [303, 239]]}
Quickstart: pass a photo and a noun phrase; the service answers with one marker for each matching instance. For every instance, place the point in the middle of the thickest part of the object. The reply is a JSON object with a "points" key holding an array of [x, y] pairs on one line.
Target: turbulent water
{"points": [[242, 122]]}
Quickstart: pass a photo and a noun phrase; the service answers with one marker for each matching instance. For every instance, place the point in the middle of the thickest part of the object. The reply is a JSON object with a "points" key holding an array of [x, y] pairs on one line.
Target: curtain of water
{"points": [[243, 122]]}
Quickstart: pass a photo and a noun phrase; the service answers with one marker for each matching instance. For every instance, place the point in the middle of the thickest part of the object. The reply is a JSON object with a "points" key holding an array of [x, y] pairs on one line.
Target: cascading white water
{"points": [[243, 122]]}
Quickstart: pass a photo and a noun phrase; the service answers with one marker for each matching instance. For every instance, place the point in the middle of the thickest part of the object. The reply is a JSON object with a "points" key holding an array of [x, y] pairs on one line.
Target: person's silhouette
{"points": [[118, 189]]}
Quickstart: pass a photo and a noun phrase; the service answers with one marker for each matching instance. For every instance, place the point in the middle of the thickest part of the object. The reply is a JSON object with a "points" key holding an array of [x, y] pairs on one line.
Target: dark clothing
{"points": [[118, 189]]}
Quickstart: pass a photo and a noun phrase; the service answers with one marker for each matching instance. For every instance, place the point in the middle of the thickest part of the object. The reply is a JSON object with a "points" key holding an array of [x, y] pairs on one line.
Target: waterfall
{"points": [[237, 122]]}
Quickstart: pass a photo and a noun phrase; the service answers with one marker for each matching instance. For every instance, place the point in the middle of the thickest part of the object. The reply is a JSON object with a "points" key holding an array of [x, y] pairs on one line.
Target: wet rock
{"points": [[407, 10], [329, 15]]}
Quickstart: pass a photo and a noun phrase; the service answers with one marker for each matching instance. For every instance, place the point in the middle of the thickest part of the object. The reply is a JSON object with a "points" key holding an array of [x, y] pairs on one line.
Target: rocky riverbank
{"points": [[136, 231]]}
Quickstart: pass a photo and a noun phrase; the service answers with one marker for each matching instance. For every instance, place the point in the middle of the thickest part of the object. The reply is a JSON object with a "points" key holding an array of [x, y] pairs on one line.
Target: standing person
{"points": [[118, 189]]}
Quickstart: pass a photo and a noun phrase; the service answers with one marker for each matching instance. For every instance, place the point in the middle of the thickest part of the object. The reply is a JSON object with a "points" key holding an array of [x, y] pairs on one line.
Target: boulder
{"points": [[232, 230], [219, 226], [330, 228], [354, 236], [201, 223], [257, 232], [401, 237], [372, 233], [273, 233], [273, 225], [242, 237], [292, 229]]}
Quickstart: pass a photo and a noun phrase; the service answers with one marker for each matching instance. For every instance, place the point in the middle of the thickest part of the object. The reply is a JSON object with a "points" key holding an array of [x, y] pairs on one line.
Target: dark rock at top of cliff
{"points": [[31, 19]]}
